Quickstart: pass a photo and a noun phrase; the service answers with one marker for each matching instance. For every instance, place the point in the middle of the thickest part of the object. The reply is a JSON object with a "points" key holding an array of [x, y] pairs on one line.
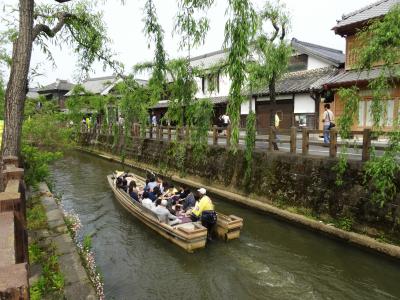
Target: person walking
{"points": [[327, 119]]}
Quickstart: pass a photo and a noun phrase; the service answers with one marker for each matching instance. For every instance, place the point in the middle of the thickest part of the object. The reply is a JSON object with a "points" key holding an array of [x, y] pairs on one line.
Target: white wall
{"points": [[224, 84], [244, 107], [315, 63], [303, 103]]}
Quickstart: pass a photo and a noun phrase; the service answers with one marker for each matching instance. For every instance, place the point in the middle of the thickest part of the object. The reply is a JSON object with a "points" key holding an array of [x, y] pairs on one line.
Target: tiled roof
{"points": [[61, 85], [214, 100], [208, 60], [103, 85], [301, 81], [97, 85], [374, 10], [353, 77], [333, 56]]}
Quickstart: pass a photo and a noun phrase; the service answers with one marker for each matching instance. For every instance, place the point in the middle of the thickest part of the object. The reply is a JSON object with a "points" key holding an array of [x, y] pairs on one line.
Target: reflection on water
{"points": [[271, 260]]}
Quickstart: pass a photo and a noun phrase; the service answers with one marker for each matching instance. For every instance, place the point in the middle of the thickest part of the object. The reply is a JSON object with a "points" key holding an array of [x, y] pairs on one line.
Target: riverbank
{"points": [[56, 266], [353, 238]]}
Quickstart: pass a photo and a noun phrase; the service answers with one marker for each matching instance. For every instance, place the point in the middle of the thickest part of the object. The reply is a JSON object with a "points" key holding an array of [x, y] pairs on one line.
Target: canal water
{"points": [[271, 260]]}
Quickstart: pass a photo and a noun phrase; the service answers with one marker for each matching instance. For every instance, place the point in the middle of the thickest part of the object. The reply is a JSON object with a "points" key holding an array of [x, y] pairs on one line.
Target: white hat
{"points": [[164, 202], [202, 191]]}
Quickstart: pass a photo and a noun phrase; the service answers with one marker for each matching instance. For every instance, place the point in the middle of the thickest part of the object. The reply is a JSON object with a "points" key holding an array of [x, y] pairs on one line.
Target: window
{"points": [[210, 83], [365, 115]]}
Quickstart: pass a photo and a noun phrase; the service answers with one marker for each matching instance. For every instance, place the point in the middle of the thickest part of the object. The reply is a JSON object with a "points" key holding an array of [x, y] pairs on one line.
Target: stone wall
{"points": [[13, 235], [283, 179]]}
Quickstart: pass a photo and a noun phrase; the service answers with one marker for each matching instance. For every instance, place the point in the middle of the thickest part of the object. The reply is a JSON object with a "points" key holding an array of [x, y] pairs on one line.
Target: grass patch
{"points": [[50, 284], [36, 214]]}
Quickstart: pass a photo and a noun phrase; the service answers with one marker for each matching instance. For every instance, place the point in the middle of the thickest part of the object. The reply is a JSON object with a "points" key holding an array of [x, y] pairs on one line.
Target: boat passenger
{"points": [[189, 201], [122, 183], [132, 190], [204, 211], [146, 201], [164, 215], [152, 184], [160, 184], [155, 193]]}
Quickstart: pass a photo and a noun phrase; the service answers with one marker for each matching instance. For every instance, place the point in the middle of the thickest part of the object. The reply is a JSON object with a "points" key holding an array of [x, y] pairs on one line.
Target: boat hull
{"points": [[189, 236]]}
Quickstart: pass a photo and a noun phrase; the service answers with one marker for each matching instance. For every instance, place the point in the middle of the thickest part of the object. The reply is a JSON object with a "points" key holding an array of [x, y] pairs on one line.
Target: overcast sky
{"points": [[312, 21]]}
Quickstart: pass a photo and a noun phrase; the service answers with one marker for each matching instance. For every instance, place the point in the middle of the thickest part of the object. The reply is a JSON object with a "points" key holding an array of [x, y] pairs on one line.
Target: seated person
{"points": [[146, 201], [164, 215], [189, 201], [204, 211], [121, 182], [155, 193], [151, 184], [160, 184], [132, 190]]}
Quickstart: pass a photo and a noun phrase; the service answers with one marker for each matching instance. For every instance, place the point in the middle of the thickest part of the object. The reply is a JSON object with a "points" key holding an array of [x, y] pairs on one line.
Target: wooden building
{"points": [[299, 91], [347, 27], [56, 91]]}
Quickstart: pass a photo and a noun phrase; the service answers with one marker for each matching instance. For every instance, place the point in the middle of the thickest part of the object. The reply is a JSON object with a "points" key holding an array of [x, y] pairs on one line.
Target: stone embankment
{"points": [[154, 152], [76, 282]]}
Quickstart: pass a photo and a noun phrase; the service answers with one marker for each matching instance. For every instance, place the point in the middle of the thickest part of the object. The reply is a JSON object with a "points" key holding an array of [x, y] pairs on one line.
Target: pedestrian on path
{"points": [[327, 119]]}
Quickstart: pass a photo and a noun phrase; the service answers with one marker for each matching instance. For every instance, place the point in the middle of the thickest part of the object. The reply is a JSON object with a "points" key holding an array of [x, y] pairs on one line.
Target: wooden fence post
{"points": [[366, 144], [151, 131], [305, 140], [332, 142], [271, 138], [215, 135], [228, 136], [169, 133], [158, 131], [293, 139]]}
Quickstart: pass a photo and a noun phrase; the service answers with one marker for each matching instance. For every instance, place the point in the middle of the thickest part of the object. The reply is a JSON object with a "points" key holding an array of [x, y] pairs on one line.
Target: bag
{"points": [[331, 124]]}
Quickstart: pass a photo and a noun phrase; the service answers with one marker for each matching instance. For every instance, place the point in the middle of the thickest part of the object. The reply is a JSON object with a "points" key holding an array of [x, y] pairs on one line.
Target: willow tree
{"points": [[239, 31], [380, 42], [76, 25]]}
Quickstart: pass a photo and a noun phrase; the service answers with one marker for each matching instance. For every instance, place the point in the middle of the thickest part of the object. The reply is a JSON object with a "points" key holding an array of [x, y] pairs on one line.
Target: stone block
{"points": [[14, 282], [53, 225], [54, 215], [71, 267], [10, 160], [80, 291], [9, 200], [13, 173], [49, 203], [35, 271], [64, 244], [12, 186], [7, 240]]}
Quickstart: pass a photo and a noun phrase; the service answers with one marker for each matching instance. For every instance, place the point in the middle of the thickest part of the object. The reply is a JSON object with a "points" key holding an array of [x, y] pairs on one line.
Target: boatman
{"points": [[204, 211]]}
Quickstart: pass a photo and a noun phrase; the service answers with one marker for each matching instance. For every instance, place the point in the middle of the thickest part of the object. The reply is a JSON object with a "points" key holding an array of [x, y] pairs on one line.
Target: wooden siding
{"points": [[337, 106]]}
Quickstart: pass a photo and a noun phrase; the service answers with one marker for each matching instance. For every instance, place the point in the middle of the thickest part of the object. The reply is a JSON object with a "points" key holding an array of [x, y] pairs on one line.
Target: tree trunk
{"points": [[272, 99], [17, 86]]}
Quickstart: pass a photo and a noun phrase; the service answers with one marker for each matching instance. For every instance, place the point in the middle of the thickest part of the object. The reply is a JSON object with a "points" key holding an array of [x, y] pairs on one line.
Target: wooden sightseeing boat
{"points": [[228, 227], [189, 236]]}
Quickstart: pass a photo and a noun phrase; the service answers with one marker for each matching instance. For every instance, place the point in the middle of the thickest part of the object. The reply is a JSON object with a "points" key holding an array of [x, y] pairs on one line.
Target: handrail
{"points": [[221, 136]]}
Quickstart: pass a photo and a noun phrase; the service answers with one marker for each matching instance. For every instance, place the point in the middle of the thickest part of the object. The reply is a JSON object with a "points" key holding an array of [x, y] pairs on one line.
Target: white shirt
{"points": [[226, 119], [328, 117], [146, 202]]}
